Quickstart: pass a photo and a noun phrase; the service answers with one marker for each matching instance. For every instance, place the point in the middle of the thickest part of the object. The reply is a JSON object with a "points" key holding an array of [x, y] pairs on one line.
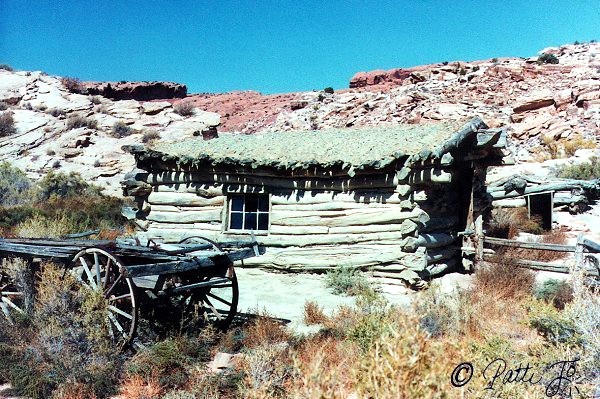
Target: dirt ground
{"points": [[283, 295]]}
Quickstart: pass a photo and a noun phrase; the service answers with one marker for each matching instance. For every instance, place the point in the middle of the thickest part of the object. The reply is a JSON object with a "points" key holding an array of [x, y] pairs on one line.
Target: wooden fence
{"points": [[583, 250]]}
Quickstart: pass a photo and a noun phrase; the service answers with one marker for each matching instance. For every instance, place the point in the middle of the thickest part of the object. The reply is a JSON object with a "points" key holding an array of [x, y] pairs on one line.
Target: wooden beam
{"points": [[529, 245], [216, 261]]}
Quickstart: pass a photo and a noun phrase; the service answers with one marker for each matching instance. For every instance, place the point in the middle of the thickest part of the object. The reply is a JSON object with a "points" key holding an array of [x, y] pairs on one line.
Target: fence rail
{"points": [[583, 254]]}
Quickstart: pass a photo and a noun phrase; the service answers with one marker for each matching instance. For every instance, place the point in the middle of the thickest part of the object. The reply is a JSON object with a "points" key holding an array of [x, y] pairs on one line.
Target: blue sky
{"points": [[276, 46]]}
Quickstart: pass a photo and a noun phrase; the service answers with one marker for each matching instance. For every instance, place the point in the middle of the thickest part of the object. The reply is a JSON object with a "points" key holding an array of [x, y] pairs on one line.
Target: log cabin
{"points": [[403, 201]]}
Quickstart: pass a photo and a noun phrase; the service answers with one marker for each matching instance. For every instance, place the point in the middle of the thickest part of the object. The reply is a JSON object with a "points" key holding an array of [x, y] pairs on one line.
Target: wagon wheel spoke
{"points": [[118, 291], [88, 273], [97, 269], [212, 308], [113, 286], [218, 299], [12, 298], [214, 304], [6, 312]]}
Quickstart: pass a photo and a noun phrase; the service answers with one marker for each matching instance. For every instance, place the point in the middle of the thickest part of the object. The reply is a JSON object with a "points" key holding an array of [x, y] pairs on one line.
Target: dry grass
{"points": [[577, 142], [550, 237], [7, 124], [78, 121], [184, 108], [265, 331], [508, 223], [324, 368], [551, 148], [137, 387], [503, 280], [313, 314], [75, 390]]}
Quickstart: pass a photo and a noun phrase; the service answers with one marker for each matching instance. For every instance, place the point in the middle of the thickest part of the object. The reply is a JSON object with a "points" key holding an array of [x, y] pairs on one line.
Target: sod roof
{"points": [[374, 147]]}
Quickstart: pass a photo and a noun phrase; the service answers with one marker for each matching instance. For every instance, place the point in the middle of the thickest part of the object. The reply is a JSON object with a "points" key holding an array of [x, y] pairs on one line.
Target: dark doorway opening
{"points": [[540, 208]]}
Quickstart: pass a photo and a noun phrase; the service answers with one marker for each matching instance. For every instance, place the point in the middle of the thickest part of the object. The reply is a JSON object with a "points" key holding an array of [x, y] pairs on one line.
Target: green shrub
{"points": [[14, 185], [61, 186], [184, 108], [56, 205], [54, 226], [583, 171], [12, 216], [3, 106], [170, 360], [7, 124], [557, 292], [64, 341], [547, 58], [120, 129], [56, 112], [347, 280], [77, 121], [95, 99], [328, 90], [6, 67], [555, 326], [150, 136]]}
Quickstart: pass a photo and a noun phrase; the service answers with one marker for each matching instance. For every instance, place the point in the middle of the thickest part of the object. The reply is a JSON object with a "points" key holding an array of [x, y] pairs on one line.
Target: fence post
{"points": [[479, 237], [579, 247]]}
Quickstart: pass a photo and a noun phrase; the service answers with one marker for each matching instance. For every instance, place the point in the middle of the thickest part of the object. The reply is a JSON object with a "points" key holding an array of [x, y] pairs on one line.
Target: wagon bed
{"points": [[197, 277]]}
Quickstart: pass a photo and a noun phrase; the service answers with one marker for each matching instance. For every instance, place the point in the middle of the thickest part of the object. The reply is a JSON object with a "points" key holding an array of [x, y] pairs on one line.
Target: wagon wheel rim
{"points": [[215, 304], [11, 298], [100, 271]]}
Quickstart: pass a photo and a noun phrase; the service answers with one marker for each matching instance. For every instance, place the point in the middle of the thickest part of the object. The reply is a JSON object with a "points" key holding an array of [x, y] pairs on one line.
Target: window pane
{"points": [[263, 203], [235, 220], [263, 221], [251, 202], [250, 221], [237, 203]]}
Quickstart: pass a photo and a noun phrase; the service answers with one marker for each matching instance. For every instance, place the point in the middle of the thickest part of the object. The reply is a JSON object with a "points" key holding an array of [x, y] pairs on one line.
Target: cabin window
{"points": [[249, 212]]}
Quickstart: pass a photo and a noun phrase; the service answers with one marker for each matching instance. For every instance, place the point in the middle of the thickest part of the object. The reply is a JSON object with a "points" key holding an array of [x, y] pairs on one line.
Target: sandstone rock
{"points": [[154, 107], [13, 86], [71, 153], [531, 125], [587, 97], [562, 98], [536, 100], [26, 120], [141, 91], [559, 130]]}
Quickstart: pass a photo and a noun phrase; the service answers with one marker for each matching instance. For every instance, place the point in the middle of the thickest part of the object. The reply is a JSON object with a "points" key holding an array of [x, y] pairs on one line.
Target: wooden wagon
{"points": [[197, 273]]}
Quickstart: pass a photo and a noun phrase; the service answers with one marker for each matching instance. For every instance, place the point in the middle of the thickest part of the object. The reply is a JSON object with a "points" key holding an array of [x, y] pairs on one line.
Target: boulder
{"points": [[536, 100]]}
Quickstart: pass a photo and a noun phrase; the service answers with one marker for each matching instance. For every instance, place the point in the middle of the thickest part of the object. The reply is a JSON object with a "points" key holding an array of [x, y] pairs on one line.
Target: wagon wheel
{"points": [[215, 303], [100, 271], [12, 302]]}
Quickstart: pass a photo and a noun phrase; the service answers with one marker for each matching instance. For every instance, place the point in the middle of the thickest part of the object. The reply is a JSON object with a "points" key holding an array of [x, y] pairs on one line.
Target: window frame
{"points": [[227, 219]]}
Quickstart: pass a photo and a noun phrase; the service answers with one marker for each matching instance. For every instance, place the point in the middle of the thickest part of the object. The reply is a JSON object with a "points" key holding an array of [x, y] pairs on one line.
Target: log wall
{"points": [[389, 223]]}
